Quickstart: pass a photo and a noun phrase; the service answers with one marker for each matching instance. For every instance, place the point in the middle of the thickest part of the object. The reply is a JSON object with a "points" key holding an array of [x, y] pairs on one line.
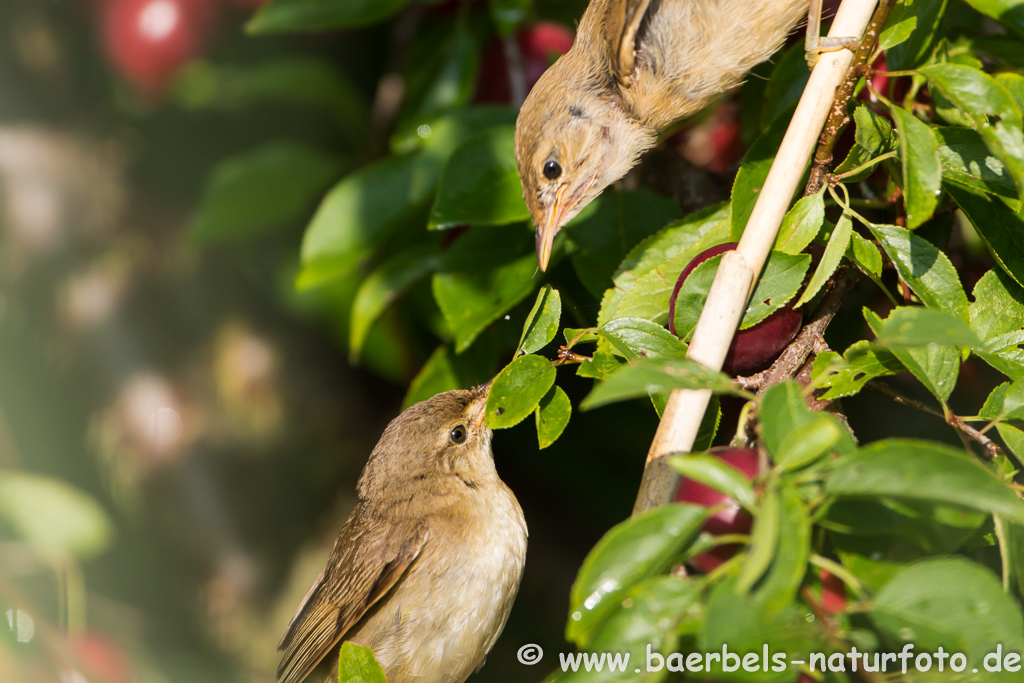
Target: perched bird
{"points": [[427, 565], [637, 66]]}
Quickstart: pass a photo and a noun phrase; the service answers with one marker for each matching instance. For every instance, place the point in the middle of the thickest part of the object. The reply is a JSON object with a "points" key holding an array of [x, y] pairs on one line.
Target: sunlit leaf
{"points": [[53, 514], [916, 470], [922, 170], [517, 390], [552, 415], [542, 322], [641, 547]]}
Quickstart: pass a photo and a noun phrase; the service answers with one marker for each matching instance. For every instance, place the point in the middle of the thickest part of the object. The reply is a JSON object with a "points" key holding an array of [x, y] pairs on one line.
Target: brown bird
{"points": [[427, 565], [637, 66]]}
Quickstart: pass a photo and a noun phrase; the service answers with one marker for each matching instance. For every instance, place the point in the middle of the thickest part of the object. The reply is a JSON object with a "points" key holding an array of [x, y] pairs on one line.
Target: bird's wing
{"points": [[622, 22], [364, 565]]}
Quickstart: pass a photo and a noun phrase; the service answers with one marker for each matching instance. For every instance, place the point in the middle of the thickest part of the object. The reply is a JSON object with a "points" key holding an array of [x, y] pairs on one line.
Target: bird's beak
{"points": [[549, 227], [483, 390]]}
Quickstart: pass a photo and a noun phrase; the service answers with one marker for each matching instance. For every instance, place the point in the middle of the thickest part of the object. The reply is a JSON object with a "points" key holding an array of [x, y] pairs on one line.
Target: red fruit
{"points": [[727, 520], [101, 659], [755, 348], [147, 41], [833, 592], [539, 46]]}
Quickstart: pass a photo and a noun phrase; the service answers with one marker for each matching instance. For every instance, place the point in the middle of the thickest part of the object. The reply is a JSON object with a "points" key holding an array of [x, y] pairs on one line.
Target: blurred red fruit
{"points": [[755, 348], [539, 46], [833, 592], [147, 41], [730, 519], [102, 657]]}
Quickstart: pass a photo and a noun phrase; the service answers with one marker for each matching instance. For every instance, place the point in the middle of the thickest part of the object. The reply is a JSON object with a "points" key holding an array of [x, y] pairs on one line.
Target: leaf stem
{"points": [[991, 449], [867, 164]]}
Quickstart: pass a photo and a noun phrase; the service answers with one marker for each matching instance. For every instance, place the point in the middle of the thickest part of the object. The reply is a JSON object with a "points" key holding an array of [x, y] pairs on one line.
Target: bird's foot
{"points": [[816, 46]]}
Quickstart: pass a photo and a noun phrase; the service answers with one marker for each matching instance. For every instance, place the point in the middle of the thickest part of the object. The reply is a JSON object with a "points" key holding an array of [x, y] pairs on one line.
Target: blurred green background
{"points": [[180, 431]]}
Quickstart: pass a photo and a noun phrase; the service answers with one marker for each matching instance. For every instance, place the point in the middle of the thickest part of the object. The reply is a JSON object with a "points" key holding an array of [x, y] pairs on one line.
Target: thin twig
{"points": [[812, 334], [838, 117], [992, 449]]}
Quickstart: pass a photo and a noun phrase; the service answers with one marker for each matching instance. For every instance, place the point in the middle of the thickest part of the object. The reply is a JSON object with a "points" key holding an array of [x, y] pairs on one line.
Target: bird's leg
{"points": [[814, 44]]}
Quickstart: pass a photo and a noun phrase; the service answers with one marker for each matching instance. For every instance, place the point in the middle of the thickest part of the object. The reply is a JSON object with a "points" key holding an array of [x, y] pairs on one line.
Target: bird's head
{"points": [[571, 143]]}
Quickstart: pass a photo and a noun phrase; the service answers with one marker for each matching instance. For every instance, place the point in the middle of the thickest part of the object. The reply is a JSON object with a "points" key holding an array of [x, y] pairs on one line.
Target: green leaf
{"points": [[966, 161], [782, 411], [809, 442], [644, 281], [733, 620], [279, 16], [297, 80], [1014, 84], [779, 282], [873, 132], [584, 335], [508, 15], [617, 223], [922, 170], [436, 376], [600, 366], [1001, 228], [902, 21], [53, 515], [542, 322], [801, 224], [1013, 437], [914, 470], [925, 269], [1006, 402], [480, 185], [383, 286], [936, 365], [990, 106], [639, 548], [552, 415], [777, 589], [786, 84], [263, 189], [653, 614], [362, 211], [847, 374], [636, 338], [918, 47], [647, 375], [443, 134], [951, 603], [764, 539], [1008, 12], [356, 664], [717, 474], [756, 163], [997, 316], [865, 254], [442, 71], [838, 241], [518, 390], [445, 371], [483, 274], [917, 326]]}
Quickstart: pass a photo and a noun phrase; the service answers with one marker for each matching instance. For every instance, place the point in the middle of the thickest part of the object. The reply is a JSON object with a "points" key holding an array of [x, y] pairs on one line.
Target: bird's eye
{"points": [[457, 435], [552, 170]]}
